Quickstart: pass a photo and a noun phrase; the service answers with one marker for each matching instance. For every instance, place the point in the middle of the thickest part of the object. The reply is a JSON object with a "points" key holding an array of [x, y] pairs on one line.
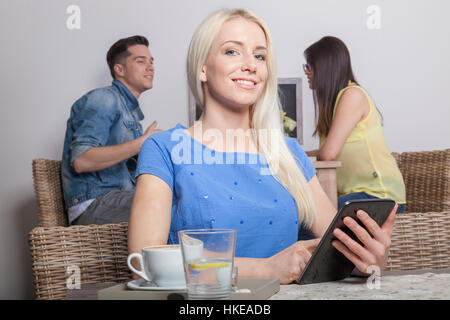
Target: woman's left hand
{"points": [[375, 243]]}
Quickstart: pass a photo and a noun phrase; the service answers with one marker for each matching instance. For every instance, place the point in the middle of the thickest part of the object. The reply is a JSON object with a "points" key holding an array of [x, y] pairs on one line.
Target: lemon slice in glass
{"points": [[208, 265]]}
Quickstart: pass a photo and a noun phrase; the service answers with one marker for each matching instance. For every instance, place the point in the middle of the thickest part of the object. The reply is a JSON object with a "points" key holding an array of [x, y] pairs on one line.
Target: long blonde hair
{"points": [[264, 114]]}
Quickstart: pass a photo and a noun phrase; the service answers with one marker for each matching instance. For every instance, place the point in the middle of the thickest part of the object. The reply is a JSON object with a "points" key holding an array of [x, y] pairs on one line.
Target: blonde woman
{"points": [[263, 186]]}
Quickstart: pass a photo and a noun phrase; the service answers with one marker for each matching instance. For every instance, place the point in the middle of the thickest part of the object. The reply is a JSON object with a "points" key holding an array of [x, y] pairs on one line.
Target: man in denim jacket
{"points": [[104, 136]]}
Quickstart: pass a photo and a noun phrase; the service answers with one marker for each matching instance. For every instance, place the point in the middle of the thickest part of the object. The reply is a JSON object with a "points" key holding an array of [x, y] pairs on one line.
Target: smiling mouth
{"points": [[246, 82]]}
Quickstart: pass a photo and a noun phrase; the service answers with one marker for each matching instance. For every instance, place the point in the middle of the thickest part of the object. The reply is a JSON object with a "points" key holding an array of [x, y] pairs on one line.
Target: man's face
{"points": [[137, 70]]}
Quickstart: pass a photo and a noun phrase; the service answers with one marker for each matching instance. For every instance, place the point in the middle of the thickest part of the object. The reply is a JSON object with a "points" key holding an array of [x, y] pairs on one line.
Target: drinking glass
{"points": [[208, 258]]}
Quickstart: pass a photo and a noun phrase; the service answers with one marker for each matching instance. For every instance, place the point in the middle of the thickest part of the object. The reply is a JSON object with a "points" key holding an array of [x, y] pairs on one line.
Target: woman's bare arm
{"points": [[150, 213], [325, 210]]}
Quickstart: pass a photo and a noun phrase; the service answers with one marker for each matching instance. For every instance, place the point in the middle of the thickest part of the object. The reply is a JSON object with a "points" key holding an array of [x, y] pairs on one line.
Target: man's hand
{"points": [[151, 130]]}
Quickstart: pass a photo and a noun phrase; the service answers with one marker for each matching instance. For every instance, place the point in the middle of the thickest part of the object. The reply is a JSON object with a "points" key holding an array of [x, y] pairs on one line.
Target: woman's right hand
{"points": [[288, 264]]}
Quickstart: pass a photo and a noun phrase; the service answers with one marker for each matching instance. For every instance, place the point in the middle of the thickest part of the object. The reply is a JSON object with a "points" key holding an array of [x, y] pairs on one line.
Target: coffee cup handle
{"points": [[138, 272]]}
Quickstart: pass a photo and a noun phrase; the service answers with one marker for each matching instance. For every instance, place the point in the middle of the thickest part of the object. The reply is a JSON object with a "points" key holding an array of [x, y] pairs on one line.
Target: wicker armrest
{"points": [[99, 251], [420, 241]]}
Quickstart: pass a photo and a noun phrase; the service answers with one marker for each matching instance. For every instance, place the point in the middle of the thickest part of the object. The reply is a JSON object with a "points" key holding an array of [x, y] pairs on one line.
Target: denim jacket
{"points": [[103, 117]]}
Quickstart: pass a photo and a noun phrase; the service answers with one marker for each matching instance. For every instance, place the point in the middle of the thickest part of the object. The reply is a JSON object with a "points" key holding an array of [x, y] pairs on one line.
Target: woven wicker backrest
{"points": [[420, 241], [99, 251], [48, 190], [427, 180]]}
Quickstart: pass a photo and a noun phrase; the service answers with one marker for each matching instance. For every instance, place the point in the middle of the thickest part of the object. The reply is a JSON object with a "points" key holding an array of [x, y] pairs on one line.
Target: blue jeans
{"points": [[360, 196]]}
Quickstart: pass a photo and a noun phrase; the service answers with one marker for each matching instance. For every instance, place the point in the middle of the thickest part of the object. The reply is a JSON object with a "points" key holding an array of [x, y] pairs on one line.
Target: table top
{"points": [[392, 285], [326, 164]]}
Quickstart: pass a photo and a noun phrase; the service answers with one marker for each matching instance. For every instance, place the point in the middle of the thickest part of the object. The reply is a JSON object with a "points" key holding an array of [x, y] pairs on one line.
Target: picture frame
{"points": [[290, 94]]}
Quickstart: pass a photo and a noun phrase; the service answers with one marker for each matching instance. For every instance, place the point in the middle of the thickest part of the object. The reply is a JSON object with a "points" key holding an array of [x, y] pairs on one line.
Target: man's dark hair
{"points": [[119, 51]]}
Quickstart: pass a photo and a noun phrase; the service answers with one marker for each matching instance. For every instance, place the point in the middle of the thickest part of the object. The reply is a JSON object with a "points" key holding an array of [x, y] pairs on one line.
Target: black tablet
{"points": [[327, 263]]}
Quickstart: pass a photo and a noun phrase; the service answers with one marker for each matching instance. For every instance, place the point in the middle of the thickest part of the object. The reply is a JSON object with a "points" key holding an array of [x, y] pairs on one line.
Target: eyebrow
{"points": [[242, 44], [143, 57]]}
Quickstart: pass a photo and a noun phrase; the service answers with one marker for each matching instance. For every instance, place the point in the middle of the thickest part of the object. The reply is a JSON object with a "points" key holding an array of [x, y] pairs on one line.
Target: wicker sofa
{"points": [[421, 237]]}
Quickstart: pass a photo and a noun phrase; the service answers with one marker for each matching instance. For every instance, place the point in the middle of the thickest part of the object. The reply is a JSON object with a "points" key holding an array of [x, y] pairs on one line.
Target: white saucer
{"points": [[142, 284]]}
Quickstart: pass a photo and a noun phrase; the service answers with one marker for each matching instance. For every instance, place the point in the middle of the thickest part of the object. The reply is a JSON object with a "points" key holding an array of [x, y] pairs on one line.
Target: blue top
{"points": [[102, 117], [227, 190]]}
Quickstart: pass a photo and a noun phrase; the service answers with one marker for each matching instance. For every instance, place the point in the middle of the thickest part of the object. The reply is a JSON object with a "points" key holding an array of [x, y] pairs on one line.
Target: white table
{"points": [[393, 285]]}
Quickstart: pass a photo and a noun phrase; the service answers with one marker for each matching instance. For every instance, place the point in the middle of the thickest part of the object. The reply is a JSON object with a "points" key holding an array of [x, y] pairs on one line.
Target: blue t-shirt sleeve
{"points": [[302, 159], [154, 158]]}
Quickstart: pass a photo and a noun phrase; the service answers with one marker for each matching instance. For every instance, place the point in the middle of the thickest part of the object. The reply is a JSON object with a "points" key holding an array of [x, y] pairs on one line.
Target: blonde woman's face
{"points": [[235, 71]]}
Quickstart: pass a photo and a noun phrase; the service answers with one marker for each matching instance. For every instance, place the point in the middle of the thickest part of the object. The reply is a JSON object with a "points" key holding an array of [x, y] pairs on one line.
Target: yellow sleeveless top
{"points": [[366, 162]]}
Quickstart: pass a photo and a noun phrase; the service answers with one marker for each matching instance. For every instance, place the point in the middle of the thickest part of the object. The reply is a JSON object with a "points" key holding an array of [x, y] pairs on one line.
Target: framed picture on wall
{"points": [[290, 93]]}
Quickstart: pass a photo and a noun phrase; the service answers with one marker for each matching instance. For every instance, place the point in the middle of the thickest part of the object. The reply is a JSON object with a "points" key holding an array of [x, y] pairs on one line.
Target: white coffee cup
{"points": [[161, 264]]}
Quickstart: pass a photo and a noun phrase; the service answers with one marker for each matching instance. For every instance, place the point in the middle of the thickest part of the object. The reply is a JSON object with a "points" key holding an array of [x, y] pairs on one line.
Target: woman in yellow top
{"points": [[349, 127]]}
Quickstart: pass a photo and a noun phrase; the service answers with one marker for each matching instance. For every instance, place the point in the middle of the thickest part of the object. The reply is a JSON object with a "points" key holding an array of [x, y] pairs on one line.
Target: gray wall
{"points": [[45, 67]]}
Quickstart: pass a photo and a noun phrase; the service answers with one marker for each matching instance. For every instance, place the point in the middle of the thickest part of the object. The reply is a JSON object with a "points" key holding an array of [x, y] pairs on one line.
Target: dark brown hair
{"points": [[330, 62], [119, 51]]}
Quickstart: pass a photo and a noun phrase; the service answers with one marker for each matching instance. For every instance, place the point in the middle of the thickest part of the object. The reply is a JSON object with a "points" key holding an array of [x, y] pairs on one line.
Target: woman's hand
{"points": [[376, 242], [288, 264]]}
